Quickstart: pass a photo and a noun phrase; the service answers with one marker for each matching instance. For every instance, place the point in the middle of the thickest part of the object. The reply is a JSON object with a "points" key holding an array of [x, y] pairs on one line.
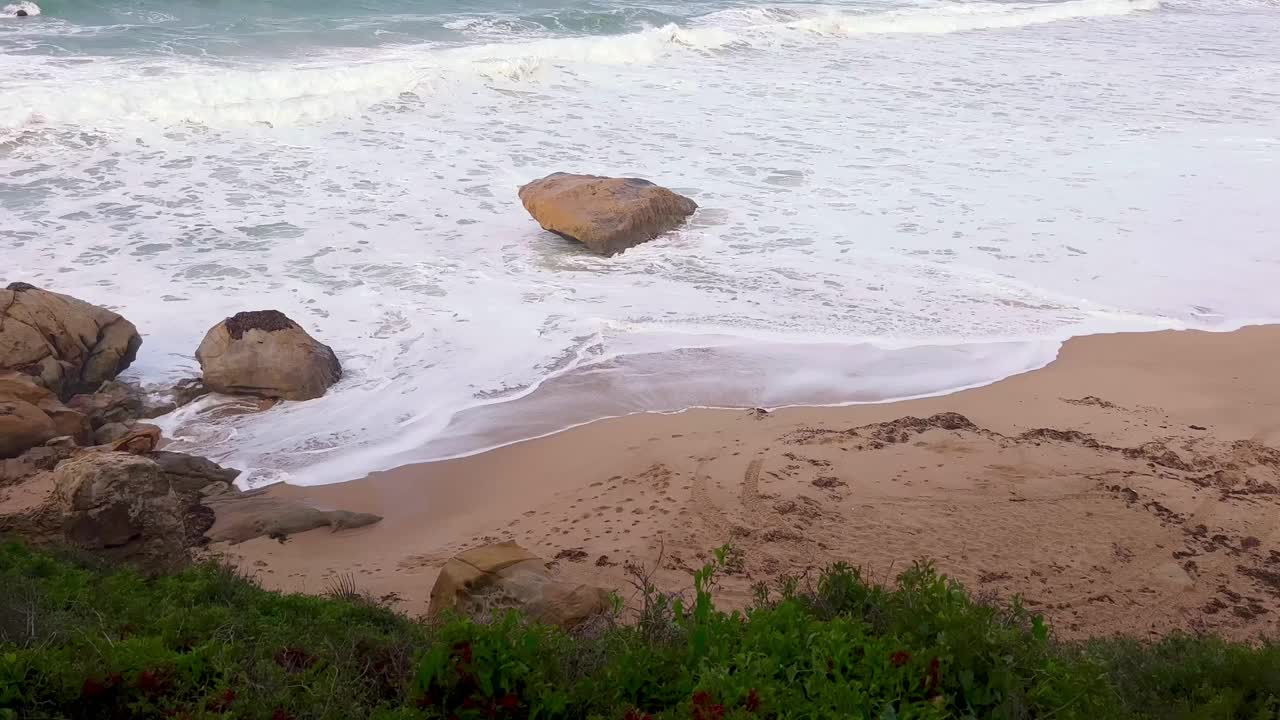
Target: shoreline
{"points": [[1096, 520]]}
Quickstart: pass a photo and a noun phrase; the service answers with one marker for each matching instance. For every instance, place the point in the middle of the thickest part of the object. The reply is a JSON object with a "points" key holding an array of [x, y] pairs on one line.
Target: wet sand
{"points": [[1133, 486]]}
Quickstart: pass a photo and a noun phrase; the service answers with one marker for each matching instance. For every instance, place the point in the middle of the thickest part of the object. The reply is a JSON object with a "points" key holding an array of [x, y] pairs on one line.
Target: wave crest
{"points": [[302, 93]]}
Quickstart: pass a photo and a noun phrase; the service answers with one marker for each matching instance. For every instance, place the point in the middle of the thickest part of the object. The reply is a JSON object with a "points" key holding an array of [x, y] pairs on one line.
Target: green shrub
{"points": [[84, 641]]}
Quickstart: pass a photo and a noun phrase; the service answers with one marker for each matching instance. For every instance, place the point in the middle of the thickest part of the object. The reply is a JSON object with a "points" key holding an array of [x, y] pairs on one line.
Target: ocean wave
{"points": [[343, 86], [967, 17]]}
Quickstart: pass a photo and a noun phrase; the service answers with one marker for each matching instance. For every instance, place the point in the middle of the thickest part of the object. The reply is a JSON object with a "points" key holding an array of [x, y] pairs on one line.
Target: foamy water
{"points": [[897, 198]]}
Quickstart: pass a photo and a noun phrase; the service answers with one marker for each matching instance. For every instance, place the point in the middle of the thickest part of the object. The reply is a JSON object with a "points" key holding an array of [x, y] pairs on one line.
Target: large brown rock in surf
{"points": [[608, 215], [67, 345], [264, 353], [505, 576]]}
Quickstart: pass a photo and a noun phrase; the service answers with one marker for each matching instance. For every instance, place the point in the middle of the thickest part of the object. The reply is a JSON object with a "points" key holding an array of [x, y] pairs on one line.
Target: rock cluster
{"points": [[77, 462]]}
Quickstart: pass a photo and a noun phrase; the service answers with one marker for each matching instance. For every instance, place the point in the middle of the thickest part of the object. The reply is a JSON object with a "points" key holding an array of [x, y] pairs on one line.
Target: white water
{"points": [[11, 10], [896, 201]]}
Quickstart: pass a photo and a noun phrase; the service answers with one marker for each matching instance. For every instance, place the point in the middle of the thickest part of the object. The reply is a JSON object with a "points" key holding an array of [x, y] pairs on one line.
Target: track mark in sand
{"points": [[749, 494], [704, 506]]}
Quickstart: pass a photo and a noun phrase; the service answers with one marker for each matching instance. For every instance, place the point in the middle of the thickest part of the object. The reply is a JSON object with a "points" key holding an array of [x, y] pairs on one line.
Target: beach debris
{"points": [[608, 215], [265, 354], [502, 576]]}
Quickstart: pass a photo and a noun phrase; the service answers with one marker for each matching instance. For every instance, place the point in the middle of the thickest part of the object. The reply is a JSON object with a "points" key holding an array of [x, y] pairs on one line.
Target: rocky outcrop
{"points": [[114, 433], [22, 426], [121, 505], [65, 344], [266, 354], [504, 576], [119, 402], [23, 390], [608, 215], [191, 473]]}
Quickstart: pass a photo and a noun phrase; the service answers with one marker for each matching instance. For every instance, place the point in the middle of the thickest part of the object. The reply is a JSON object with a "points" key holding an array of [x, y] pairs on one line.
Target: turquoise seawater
{"points": [[242, 28], [897, 197]]}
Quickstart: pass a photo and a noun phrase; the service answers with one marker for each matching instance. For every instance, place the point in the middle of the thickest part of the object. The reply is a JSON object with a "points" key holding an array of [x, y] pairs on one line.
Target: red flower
{"points": [[899, 658], [462, 652], [753, 701], [509, 701], [91, 688], [148, 682], [223, 703], [933, 684], [705, 708]]}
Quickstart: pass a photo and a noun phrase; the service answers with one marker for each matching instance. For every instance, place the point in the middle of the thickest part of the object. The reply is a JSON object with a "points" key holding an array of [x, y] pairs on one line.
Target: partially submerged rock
{"points": [[504, 576], [608, 215], [266, 354], [67, 345], [119, 402]]}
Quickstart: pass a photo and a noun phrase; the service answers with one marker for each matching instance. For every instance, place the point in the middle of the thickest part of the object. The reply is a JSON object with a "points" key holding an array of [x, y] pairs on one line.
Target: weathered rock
{"points": [[34, 461], [17, 387], [123, 504], [140, 440], [68, 422], [244, 516], [67, 345], [110, 432], [608, 215], [118, 402], [187, 391], [23, 426], [192, 474], [266, 354], [115, 432], [505, 576]]}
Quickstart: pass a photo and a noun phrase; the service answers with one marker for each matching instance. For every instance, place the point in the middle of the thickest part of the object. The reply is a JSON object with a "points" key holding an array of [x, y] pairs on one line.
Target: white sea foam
{"points": [[882, 214], [11, 10]]}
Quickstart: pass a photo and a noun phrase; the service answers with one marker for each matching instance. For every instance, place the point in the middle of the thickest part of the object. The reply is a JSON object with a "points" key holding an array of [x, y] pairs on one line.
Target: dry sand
{"points": [[1131, 486]]}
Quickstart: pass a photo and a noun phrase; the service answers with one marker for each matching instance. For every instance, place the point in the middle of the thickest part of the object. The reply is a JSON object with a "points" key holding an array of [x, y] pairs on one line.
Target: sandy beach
{"points": [[1130, 486]]}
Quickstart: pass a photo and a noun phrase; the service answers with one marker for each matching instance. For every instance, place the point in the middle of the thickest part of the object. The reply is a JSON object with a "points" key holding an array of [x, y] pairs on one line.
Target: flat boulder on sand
{"points": [[266, 354], [608, 215], [67, 345], [504, 576]]}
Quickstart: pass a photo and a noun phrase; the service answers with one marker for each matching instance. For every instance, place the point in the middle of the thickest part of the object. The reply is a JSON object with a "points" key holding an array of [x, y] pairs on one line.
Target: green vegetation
{"points": [[84, 641]]}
